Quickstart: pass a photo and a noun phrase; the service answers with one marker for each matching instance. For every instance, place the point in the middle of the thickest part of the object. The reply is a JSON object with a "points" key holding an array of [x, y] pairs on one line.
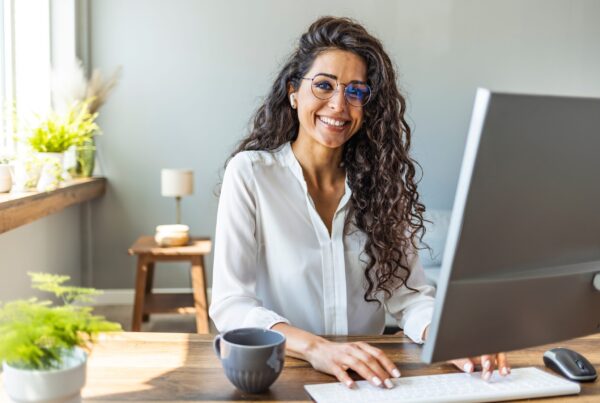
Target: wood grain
{"points": [[18, 209], [183, 367]]}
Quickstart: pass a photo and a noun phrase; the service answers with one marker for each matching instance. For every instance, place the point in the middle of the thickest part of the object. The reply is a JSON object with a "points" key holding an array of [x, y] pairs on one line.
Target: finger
{"points": [[383, 359], [343, 377], [464, 364], [362, 369], [487, 366], [374, 365], [503, 366]]}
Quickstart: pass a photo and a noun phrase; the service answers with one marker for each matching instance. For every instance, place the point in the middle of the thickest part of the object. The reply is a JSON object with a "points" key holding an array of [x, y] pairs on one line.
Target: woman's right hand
{"points": [[369, 362]]}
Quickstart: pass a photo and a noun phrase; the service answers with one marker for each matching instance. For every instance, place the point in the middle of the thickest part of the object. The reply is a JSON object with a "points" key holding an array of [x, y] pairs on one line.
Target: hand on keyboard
{"points": [[369, 362], [488, 363]]}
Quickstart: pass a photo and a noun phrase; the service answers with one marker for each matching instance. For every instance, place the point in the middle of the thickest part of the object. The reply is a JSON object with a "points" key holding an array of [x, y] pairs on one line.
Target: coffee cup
{"points": [[251, 357]]}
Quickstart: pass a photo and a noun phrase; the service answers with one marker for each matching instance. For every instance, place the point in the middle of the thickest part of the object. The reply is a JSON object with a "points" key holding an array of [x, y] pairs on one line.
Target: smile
{"points": [[333, 122]]}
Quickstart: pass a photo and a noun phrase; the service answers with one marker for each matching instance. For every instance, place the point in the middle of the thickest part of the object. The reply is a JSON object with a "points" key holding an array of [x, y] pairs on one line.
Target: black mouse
{"points": [[570, 364]]}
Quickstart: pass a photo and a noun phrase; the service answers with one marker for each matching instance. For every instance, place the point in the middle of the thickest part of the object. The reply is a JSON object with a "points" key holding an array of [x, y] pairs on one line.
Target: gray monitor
{"points": [[522, 259]]}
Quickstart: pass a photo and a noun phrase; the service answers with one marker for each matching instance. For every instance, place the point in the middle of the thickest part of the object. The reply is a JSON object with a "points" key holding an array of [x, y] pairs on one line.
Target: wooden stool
{"points": [[149, 252]]}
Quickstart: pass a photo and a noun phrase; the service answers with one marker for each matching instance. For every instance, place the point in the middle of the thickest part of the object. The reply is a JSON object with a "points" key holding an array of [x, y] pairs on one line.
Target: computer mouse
{"points": [[570, 364]]}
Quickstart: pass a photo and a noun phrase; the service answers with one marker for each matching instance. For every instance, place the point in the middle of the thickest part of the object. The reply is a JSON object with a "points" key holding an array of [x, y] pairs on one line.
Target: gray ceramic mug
{"points": [[251, 357]]}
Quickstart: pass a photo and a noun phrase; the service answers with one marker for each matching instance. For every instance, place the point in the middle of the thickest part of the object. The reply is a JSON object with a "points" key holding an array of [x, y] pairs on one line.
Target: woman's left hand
{"points": [[488, 362]]}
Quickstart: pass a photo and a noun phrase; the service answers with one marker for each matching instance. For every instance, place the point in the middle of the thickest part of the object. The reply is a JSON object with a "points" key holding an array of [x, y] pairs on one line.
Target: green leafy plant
{"points": [[37, 334], [57, 132]]}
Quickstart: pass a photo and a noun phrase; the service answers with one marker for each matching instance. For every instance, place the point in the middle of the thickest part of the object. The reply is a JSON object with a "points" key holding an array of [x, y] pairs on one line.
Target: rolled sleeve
{"points": [[263, 317]]}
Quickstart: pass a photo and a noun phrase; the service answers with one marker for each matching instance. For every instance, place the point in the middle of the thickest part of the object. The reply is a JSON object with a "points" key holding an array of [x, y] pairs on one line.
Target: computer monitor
{"points": [[522, 259]]}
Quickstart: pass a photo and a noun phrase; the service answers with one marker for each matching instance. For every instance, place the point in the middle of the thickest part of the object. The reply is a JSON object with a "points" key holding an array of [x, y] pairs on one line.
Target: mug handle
{"points": [[217, 345]]}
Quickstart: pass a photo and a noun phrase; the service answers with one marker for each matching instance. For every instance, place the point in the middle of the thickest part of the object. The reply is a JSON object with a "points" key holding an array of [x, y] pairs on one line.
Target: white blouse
{"points": [[274, 260]]}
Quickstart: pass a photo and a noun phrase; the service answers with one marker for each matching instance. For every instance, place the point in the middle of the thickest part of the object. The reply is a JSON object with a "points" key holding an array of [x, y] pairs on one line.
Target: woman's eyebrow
{"points": [[335, 78], [327, 75]]}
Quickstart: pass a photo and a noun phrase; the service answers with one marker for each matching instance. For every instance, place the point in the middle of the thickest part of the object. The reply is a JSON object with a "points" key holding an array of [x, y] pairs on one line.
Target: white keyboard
{"points": [[522, 383]]}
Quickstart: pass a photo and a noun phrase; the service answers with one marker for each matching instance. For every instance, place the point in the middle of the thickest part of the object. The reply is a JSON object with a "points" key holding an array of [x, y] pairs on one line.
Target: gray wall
{"points": [[194, 72], [52, 244]]}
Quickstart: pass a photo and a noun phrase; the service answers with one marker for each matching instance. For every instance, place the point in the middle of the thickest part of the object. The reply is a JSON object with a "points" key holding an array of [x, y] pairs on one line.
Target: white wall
{"points": [[52, 244], [195, 71]]}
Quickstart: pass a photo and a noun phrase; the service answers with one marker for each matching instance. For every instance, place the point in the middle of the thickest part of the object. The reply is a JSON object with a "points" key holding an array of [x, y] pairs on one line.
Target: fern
{"points": [[36, 334], [53, 283]]}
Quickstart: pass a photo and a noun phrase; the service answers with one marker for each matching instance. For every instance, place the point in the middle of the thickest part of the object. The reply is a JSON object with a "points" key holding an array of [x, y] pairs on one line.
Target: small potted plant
{"points": [[71, 84], [43, 346], [55, 134]]}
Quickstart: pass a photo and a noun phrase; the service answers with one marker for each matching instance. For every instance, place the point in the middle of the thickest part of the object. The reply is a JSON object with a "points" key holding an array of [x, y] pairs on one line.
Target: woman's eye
{"points": [[356, 93], [324, 85]]}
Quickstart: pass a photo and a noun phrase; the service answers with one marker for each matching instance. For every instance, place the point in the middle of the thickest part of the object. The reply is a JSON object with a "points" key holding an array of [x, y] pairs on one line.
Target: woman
{"points": [[319, 217]]}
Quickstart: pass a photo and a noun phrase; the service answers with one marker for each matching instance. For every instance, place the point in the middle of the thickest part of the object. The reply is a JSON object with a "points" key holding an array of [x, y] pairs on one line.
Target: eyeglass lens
{"points": [[324, 87]]}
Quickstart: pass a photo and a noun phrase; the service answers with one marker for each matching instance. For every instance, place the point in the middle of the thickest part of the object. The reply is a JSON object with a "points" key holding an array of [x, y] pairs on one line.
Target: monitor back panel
{"points": [[524, 238]]}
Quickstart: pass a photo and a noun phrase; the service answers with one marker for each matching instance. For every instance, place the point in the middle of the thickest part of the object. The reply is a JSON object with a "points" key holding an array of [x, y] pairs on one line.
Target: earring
{"points": [[293, 101]]}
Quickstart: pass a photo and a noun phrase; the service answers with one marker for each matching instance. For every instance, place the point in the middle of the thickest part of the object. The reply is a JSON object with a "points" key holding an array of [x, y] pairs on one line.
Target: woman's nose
{"points": [[338, 101]]}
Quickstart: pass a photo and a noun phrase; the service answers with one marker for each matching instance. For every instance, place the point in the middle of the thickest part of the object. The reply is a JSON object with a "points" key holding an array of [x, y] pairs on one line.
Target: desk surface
{"points": [[183, 367]]}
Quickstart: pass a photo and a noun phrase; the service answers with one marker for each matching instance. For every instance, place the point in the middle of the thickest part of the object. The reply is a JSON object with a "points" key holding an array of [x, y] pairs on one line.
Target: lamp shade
{"points": [[177, 182]]}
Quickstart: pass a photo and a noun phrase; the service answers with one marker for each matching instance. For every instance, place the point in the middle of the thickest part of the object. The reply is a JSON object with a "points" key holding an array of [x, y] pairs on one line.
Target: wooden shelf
{"points": [[18, 209]]}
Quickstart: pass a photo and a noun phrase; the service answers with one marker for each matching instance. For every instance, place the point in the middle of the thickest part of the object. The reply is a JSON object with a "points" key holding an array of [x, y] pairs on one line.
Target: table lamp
{"points": [[177, 183]]}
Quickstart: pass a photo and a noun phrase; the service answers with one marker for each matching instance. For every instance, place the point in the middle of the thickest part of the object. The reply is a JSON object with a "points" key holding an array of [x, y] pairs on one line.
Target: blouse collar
{"points": [[290, 160]]}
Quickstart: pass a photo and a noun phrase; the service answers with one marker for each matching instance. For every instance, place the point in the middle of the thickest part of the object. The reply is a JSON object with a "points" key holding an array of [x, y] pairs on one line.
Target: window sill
{"points": [[18, 209]]}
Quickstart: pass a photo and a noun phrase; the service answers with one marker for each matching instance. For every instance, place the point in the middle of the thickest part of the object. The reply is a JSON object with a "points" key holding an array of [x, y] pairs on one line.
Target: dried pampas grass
{"points": [[69, 85], [98, 89]]}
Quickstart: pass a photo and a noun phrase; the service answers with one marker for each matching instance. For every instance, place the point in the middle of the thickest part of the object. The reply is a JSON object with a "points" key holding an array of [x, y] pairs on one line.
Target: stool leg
{"points": [[140, 290], [199, 287], [148, 290]]}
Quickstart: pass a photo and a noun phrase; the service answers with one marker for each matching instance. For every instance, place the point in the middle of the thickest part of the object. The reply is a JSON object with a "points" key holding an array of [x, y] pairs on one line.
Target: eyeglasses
{"points": [[323, 87]]}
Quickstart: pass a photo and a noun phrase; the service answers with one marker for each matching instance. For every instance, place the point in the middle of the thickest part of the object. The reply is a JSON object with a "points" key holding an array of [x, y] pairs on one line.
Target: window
{"points": [[26, 35]]}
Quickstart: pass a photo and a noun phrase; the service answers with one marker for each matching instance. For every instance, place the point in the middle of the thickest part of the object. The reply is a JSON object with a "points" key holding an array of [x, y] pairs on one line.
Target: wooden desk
{"points": [[173, 366]]}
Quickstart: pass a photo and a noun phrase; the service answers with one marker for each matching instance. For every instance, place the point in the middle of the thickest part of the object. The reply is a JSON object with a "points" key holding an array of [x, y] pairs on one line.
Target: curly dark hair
{"points": [[381, 174]]}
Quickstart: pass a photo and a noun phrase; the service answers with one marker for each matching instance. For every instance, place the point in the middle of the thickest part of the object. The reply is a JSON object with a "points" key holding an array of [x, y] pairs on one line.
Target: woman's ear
{"points": [[292, 96]]}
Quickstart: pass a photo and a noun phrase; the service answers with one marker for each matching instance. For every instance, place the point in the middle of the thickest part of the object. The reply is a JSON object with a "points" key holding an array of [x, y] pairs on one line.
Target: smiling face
{"points": [[333, 121]]}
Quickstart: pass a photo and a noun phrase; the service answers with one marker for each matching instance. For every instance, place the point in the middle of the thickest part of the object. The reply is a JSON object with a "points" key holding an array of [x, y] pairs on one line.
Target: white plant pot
{"points": [[5, 178], [51, 174], [25, 173], [61, 385]]}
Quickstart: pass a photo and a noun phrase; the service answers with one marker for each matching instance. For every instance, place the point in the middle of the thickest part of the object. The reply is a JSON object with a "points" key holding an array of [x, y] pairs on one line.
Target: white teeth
{"points": [[331, 121]]}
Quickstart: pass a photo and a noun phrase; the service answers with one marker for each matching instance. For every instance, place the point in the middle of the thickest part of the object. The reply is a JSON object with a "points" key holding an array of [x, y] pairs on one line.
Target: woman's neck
{"points": [[320, 164]]}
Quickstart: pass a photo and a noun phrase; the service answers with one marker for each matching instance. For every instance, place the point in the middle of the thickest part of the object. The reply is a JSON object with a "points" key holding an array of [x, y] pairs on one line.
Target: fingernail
{"points": [[376, 381], [468, 367], [350, 384], [388, 383], [504, 371], [487, 375], [396, 373], [486, 364]]}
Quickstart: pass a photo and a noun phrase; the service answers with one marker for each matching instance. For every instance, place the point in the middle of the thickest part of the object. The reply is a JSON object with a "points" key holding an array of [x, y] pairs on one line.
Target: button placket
{"points": [[332, 255]]}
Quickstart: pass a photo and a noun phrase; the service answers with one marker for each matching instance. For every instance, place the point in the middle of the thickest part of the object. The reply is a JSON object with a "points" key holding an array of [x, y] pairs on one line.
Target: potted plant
{"points": [[55, 134], [43, 345], [71, 84]]}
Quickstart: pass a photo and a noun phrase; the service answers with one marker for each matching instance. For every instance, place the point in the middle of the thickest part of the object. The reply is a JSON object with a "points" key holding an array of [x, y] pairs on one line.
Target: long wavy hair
{"points": [[381, 174]]}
